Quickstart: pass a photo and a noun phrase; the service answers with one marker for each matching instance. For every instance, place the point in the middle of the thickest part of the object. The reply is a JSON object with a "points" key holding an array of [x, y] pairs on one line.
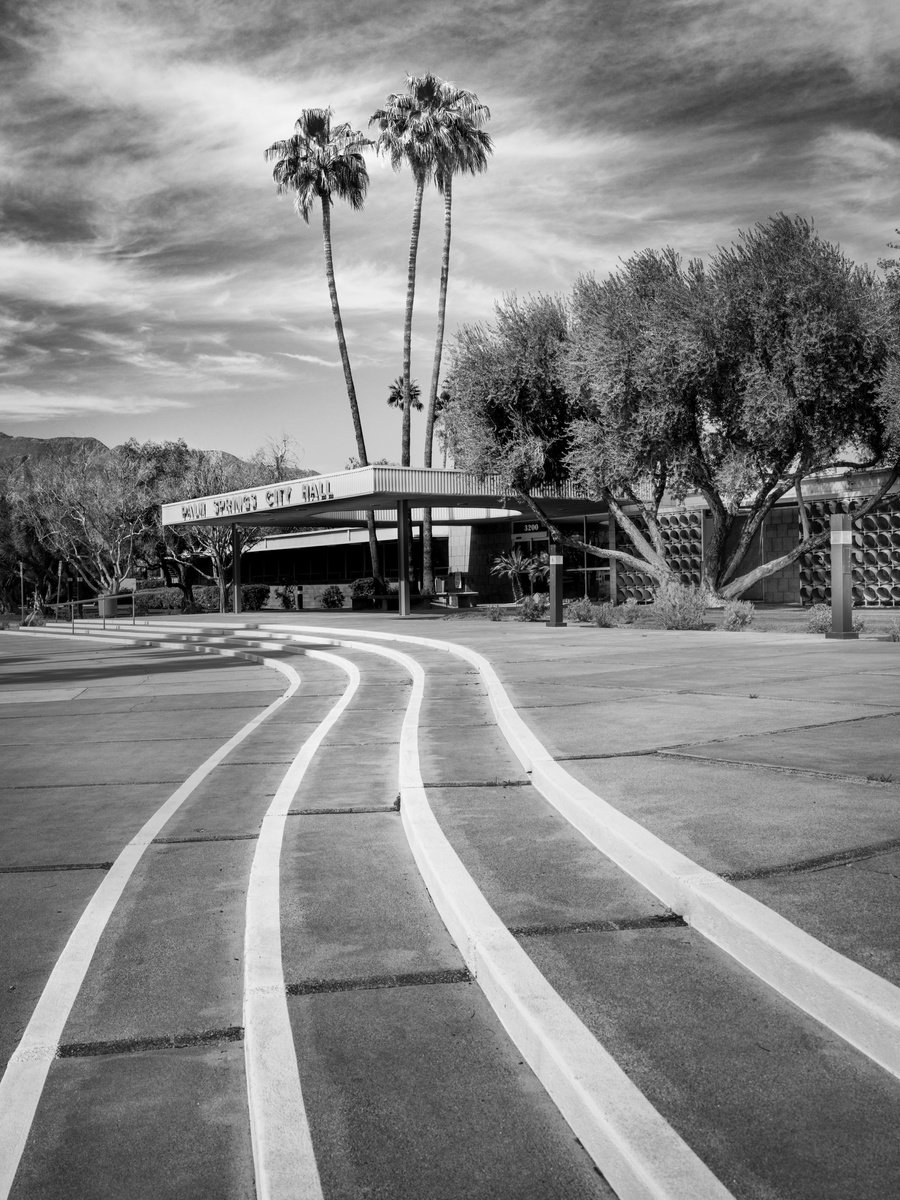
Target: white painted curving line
{"points": [[283, 1157], [26, 1072], [639, 1153], [859, 1006]]}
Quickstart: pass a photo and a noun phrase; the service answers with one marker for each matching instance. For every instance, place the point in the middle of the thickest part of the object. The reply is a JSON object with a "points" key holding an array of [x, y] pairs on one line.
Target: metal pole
{"points": [[58, 586], [841, 579], [133, 606], [21, 592], [235, 570], [403, 555], [585, 557], [555, 613], [73, 616]]}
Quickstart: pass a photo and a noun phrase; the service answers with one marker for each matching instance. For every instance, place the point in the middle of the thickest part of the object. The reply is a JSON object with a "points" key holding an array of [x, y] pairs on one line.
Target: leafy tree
{"points": [[321, 162], [90, 510], [738, 381]]}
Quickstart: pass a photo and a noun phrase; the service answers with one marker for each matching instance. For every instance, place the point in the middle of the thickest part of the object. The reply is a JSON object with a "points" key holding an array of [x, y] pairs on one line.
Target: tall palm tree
{"points": [[324, 162], [409, 132], [463, 149]]}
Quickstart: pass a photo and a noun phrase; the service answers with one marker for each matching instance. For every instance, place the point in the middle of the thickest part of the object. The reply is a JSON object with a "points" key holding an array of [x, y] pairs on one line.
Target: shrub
{"points": [[494, 613], [254, 596], [819, 620], [893, 631], [579, 610], [628, 612], [534, 608], [332, 597], [161, 599], [738, 615], [605, 616], [285, 597], [363, 588], [679, 606]]}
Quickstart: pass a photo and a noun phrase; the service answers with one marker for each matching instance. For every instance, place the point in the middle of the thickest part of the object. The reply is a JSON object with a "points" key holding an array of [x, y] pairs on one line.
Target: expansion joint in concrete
{"points": [[314, 987], [101, 866], [657, 921], [824, 862], [173, 1041]]}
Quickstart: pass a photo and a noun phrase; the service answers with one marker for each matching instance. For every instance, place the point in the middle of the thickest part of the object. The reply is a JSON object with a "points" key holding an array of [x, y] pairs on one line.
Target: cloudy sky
{"points": [[152, 284]]}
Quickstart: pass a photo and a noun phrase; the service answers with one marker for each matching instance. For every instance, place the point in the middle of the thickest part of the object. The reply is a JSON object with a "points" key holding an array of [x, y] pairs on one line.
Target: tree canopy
{"points": [[737, 380]]}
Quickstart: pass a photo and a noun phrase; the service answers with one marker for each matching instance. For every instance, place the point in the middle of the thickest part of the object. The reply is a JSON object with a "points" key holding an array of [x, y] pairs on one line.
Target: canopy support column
{"points": [[403, 554], [235, 570]]}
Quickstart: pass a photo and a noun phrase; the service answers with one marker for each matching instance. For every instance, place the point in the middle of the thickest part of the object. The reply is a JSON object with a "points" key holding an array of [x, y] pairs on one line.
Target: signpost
{"points": [[841, 579], [555, 613]]}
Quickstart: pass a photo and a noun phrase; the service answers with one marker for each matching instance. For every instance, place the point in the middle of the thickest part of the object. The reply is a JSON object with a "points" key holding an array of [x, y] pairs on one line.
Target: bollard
{"points": [[555, 613], [841, 579]]}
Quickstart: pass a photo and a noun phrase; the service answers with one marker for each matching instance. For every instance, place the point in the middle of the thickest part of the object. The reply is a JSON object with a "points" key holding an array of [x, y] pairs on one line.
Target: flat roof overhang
{"points": [[342, 498]]}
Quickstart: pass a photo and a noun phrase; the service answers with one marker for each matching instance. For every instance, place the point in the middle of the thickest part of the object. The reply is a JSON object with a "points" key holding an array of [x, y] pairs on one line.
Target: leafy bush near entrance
{"points": [[161, 599], [738, 615], [534, 608], [819, 620], [363, 588], [628, 612], [581, 611], [680, 607], [254, 596], [332, 597], [606, 616]]}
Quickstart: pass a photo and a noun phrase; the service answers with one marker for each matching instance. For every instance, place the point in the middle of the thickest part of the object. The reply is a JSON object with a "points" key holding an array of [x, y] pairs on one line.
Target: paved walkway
{"points": [[771, 760]]}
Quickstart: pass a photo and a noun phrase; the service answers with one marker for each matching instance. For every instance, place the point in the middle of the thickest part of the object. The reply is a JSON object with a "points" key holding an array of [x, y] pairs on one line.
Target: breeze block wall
{"points": [[875, 555]]}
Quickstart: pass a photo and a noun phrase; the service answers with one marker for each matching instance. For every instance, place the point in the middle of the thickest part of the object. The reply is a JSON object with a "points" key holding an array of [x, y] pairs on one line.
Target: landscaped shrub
{"points": [[819, 620], [893, 630], [628, 612], [363, 588], [738, 615], [332, 597], [605, 615], [534, 608], [494, 613], [679, 606], [161, 599], [286, 598], [581, 610], [254, 596]]}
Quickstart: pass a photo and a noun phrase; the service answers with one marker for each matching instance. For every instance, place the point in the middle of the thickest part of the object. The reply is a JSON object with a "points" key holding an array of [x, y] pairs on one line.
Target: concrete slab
{"points": [[160, 1125], [45, 826], [353, 904], [467, 755], [350, 776], [230, 802], [40, 909], [739, 819], [416, 1092], [73, 727], [81, 765], [774, 1104], [38, 695], [852, 908], [861, 748], [170, 959], [656, 721], [531, 865], [868, 688]]}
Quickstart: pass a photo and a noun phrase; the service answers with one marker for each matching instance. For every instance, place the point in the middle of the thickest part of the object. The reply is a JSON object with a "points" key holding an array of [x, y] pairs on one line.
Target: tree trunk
{"points": [[427, 551], [405, 453], [348, 375]]}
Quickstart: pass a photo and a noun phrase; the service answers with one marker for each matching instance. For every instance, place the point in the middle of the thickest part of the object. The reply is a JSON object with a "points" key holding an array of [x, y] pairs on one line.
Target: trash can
{"points": [[108, 606]]}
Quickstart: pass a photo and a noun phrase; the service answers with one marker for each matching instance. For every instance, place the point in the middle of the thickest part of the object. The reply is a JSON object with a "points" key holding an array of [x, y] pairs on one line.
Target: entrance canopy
{"points": [[455, 497]]}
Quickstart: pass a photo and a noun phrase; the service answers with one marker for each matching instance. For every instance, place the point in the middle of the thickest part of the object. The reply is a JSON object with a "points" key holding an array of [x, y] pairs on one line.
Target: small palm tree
{"points": [[324, 162], [397, 393], [511, 565]]}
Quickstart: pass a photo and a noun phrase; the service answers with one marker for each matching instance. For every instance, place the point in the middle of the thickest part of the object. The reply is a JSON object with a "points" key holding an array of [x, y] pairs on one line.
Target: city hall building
{"points": [[313, 534]]}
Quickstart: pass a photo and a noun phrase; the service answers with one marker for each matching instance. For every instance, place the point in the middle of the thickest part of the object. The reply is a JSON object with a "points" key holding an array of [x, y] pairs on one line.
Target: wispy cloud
{"points": [[24, 404]]}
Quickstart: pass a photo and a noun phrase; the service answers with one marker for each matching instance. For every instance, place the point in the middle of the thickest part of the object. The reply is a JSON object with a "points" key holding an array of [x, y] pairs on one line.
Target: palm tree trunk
{"points": [[405, 457], [348, 375], [427, 551]]}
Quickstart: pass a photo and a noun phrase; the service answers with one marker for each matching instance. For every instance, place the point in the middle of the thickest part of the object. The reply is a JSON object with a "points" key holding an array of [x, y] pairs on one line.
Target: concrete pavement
{"points": [[740, 750]]}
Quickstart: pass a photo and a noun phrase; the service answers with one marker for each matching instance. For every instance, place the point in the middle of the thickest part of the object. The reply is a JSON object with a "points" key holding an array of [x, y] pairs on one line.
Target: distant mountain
{"points": [[20, 448]]}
